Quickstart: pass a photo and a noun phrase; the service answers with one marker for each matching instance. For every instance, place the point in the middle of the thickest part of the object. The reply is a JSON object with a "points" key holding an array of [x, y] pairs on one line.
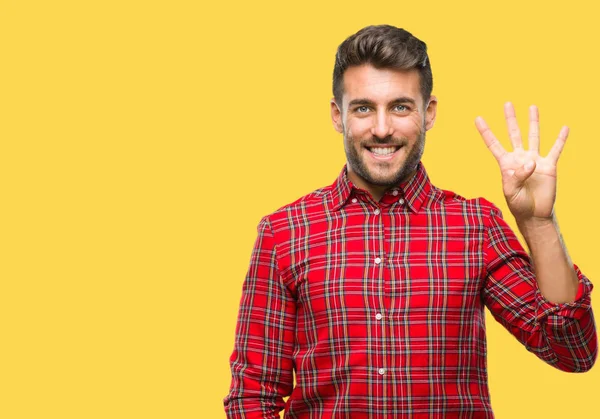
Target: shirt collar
{"points": [[414, 191]]}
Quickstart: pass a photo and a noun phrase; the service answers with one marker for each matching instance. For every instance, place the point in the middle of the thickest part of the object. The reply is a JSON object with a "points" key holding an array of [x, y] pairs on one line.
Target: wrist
{"points": [[536, 229]]}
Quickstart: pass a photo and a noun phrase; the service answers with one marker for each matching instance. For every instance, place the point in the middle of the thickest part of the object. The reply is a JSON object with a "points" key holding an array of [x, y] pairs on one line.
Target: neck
{"points": [[376, 191]]}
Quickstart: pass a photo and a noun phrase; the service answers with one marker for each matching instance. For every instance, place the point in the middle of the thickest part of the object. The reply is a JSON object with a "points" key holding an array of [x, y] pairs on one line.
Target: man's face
{"points": [[383, 120]]}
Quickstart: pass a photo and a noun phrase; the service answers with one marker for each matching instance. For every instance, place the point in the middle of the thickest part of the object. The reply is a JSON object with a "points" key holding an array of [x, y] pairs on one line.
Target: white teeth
{"points": [[381, 151]]}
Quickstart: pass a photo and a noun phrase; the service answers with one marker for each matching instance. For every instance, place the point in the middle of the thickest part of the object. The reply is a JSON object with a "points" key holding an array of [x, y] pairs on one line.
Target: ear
{"points": [[336, 117], [430, 113]]}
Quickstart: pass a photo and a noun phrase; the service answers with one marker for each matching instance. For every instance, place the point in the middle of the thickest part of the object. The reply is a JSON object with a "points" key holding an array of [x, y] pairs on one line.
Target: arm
{"points": [[261, 362], [561, 334], [562, 307], [554, 272]]}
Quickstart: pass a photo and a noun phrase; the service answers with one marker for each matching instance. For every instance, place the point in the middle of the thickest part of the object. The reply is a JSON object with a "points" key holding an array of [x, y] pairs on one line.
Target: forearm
{"points": [[554, 273]]}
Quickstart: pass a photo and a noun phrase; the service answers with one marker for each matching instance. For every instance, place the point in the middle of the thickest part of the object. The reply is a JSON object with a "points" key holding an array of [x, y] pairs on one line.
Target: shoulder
{"points": [[315, 202], [452, 201]]}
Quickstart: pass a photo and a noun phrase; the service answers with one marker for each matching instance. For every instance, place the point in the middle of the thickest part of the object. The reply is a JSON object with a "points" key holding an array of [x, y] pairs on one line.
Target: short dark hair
{"points": [[382, 46]]}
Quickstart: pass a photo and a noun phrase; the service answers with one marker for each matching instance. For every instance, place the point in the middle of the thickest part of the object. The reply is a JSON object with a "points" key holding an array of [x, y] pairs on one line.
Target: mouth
{"points": [[383, 153]]}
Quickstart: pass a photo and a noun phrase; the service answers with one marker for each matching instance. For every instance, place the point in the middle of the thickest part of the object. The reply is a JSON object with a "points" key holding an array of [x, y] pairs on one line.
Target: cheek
{"points": [[409, 125], [358, 127]]}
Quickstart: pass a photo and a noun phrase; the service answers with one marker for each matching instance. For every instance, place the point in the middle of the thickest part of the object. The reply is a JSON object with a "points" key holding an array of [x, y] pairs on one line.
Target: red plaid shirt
{"points": [[378, 307]]}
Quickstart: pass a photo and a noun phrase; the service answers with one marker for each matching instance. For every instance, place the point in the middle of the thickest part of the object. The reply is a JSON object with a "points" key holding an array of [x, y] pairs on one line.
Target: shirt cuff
{"points": [[574, 310]]}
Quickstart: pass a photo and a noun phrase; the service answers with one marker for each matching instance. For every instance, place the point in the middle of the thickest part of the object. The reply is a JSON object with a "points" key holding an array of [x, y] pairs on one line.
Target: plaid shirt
{"points": [[378, 307]]}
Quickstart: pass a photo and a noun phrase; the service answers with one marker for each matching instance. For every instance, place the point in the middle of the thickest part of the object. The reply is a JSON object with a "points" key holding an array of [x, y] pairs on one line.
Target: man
{"points": [[372, 290]]}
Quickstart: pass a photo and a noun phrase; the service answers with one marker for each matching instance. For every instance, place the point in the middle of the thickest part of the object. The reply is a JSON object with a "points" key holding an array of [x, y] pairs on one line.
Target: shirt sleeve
{"points": [[562, 335], [261, 362]]}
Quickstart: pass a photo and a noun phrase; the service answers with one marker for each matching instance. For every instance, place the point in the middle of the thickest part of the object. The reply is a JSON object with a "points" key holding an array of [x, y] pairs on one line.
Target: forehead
{"points": [[381, 85]]}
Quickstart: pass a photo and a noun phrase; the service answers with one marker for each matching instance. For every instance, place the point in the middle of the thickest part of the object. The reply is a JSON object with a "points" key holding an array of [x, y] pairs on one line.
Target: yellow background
{"points": [[141, 142]]}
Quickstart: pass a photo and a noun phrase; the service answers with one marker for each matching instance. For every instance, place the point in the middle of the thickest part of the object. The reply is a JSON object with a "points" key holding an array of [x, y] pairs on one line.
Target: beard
{"points": [[356, 161]]}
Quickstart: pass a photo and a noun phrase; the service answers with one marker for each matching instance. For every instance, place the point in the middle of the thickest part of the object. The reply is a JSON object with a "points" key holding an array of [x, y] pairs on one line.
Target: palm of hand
{"points": [[528, 179]]}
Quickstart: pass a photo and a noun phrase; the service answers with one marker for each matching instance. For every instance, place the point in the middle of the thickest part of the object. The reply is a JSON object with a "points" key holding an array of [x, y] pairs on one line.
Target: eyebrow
{"points": [[364, 101]]}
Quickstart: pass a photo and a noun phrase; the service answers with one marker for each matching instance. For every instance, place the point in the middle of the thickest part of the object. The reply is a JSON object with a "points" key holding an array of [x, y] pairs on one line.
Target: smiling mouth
{"points": [[383, 151]]}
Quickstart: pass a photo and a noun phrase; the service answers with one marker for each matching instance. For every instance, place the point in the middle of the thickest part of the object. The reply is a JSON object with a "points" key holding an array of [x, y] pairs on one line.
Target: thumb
{"points": [[520, 175]]}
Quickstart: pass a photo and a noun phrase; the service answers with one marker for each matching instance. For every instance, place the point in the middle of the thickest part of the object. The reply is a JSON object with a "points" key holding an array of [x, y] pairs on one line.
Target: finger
{"points": [[559, 144], [534, 129], [513, 128], [488, 137], [518, 177], [521, 174]]}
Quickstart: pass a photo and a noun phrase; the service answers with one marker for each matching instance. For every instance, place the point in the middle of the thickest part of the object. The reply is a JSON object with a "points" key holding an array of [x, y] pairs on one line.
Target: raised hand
{"points": [[528, 179]]}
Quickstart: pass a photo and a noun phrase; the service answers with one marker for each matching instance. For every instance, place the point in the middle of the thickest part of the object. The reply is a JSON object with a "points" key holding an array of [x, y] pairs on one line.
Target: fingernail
{"points": [[529, 165]]}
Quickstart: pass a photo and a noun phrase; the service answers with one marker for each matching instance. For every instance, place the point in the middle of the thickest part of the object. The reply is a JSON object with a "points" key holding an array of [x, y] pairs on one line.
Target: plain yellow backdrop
{"points": [[142, 141]]}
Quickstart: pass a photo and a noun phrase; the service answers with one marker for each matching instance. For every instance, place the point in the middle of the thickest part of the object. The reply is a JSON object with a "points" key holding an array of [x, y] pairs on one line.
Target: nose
{"points": [[382, 126]]}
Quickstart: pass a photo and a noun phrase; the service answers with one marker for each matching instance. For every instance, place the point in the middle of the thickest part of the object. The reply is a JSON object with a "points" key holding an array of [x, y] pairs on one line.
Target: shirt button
{"points": [[377, 261], [378, 316], [395, 192], [401, 201], [376, 211], [354, 200], [381, 371]]}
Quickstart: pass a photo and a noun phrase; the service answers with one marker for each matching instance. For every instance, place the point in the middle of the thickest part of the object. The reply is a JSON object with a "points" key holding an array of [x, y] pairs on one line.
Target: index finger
{"points": [[489, 138]]}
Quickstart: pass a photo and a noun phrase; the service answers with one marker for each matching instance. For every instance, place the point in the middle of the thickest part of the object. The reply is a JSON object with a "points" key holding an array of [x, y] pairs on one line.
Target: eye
{"points": [[400, 108], [362, 109]]}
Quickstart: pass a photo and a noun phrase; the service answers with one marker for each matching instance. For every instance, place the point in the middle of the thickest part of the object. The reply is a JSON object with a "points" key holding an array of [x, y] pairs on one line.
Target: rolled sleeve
{"points": [[569, 328], [562, 335]]}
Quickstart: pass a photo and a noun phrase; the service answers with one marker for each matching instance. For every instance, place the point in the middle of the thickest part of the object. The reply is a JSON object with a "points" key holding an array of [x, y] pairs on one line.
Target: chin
{"points": [[394, 178], [387, 180]]}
